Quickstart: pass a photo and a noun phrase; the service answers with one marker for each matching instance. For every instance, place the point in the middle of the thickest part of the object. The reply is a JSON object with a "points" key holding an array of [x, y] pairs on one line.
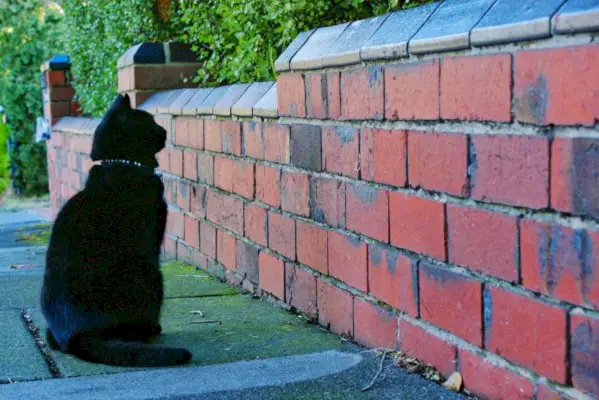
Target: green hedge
{"points": [[30, 34], [238, 40]]}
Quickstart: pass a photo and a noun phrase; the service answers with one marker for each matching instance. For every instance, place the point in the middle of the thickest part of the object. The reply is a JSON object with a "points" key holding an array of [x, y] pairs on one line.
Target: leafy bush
{"points": [[98, 33], [237, 40], [29, 35], [4, 161]]}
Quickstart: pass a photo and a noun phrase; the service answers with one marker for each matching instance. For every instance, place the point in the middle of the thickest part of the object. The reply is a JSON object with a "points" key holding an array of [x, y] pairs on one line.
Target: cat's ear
{"points": [[127, 101]]}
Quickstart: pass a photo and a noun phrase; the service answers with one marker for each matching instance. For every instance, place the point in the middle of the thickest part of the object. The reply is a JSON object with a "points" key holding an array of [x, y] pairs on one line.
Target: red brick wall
{"points": [[463, 229]]}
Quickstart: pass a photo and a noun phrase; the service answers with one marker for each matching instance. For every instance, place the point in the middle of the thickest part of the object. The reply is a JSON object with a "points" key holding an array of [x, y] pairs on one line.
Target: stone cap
{"points": [[157, 53], [56, 63], [80, 125], [437, 27], [243, 99]]}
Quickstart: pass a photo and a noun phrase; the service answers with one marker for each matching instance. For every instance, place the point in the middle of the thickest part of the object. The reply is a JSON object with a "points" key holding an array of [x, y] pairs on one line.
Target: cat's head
{"points": [[126, 133]]}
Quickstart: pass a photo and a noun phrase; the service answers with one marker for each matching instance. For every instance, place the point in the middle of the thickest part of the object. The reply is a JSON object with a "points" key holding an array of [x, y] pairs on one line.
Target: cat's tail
{"points": [[128, 354]]}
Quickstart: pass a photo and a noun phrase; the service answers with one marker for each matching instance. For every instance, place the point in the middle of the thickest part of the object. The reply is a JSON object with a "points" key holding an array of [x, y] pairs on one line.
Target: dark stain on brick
{"points": [[554, 272], [374, 76], [354, 242], [345, 134], [585, 176], [226, 142], [324, 92], [487, 314], [439, 274], [315, 211], [392, 257], [588, 267], [247, 261], [532, 104], [306, 147], [585, 355], [415, 284], [472, 165], [204, 200], [183, 189], [376, 254], [365, 193], [543, 251]]}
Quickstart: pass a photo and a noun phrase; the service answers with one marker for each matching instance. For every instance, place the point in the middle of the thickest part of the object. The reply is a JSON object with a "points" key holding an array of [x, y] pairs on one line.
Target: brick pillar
{"points": [[147, 68], [58, 94]]}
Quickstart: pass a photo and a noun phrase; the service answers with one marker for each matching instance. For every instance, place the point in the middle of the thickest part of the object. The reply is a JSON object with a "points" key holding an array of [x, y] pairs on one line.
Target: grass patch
{"points": [[38, 234]]}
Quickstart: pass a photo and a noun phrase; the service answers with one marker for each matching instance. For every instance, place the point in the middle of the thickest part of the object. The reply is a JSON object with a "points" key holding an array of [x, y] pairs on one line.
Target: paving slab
{"points": [[309, 56], [267, 105], [577, 16], [515, 20], [250, 329], [176, 107], [207, 105], [282, 63], [244, 106], [18, 291], [191, 108], [346, 49], [19, 356], [449, 27], [391, 39], [223, 106]]}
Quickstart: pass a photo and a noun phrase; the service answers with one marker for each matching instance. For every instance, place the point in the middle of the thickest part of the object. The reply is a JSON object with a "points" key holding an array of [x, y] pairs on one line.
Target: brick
{"points": [[557, 86], [561, 262], [312, 248], [383, 156], [170, 190], [412, 91], [423, 345], [225, 211], [547, 393], [198, 201], [57, 109], [212, 135], [163, 159], [190, 165], [300, 290], [192, 231], [584, 351], [174, 223], [489, 381], [327, 201], [417, 224], [476, 88], [243, 179], [393, 278], [295, 192], [195, 128], [340, 147], [305, 147], [281, 234], [367, 211], [163, 76], [167, 123], [527, 331], [452, 302], [268, 181], [183, 195], [374, 326], [291, 95], [224, 173], [72, 160], [247, 261], [170, 247], [362, 93], [574, 181], [335, 308], [61, 93], [231, 137], [316, 95], [483, 240], [333, 95], [56, 78], [272, 275], [511, 170], [226, 252], [277, 143], [348, 260], [181, 131], [205, 168], [253, 140], [256, 227], [208, 240], [176, 161], [438, 161]]}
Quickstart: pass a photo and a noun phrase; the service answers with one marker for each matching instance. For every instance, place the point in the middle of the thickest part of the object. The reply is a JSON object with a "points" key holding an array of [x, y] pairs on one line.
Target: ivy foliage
{"points": [[236, 40], [30, 33]]}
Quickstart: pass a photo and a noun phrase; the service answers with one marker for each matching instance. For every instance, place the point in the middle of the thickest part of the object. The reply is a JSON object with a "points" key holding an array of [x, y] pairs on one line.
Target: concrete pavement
{"points": [[257, 350]]}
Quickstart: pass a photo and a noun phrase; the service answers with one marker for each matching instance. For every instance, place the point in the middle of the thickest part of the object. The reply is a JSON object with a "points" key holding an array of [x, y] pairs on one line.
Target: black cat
{"points": [[103, 288]]}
